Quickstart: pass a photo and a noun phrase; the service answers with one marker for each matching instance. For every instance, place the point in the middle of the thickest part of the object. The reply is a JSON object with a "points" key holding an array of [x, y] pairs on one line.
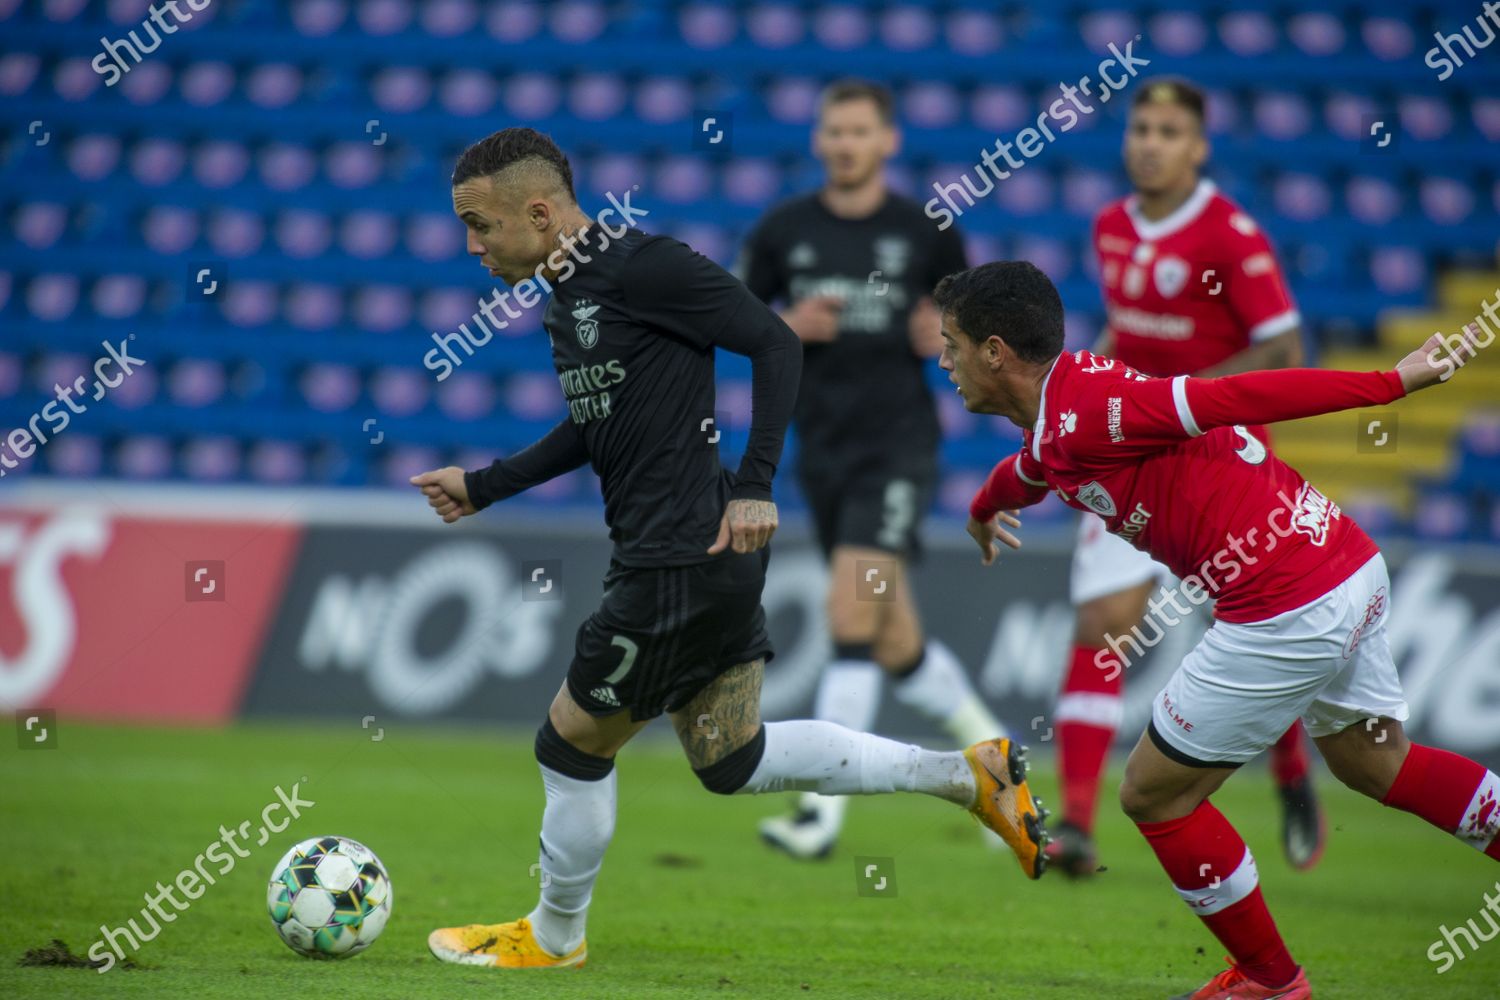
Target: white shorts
{"points": [[1327, 663], [1105, 563]]}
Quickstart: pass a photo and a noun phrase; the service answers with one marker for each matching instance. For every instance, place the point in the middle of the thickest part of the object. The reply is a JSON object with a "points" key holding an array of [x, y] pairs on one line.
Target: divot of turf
{"points": [[58, 955]]}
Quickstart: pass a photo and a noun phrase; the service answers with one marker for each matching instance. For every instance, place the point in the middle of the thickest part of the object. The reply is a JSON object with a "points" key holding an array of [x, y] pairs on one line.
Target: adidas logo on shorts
{"points": [[605, 694]]}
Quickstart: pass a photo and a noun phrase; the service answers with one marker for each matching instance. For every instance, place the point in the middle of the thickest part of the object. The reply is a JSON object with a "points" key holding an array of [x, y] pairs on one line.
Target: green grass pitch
{"points": [[690, 904]]}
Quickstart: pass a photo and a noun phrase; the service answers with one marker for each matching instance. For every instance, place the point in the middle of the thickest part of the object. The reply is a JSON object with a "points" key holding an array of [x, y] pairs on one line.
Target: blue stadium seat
{"points": [[325, 208]]}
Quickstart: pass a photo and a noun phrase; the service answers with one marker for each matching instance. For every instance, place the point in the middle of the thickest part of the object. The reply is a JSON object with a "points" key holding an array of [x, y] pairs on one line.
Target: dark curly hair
{"points": [[1009, 299]]}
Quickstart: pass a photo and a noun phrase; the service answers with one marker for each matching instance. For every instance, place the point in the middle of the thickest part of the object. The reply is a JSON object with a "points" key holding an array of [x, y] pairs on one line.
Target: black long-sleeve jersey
{"points": [[633, 332], [864, 396]]}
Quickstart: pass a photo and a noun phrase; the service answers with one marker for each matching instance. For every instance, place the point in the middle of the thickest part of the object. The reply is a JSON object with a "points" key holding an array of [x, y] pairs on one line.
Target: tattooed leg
{"points": [[723, 717], [731, 751]]}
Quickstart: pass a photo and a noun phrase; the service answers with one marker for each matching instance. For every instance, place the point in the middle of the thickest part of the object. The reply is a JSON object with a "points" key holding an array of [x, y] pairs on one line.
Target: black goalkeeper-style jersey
{"points": [[864, 396], [633, 332]]}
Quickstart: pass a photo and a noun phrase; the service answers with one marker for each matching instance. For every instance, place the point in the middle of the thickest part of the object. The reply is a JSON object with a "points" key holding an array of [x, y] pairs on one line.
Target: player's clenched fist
{"points": [[445, 492], [747, 525], [986, 532]]}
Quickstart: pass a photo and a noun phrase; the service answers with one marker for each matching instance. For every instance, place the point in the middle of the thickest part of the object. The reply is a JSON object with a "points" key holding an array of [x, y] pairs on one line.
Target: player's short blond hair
{"points": [[1171, 90]]}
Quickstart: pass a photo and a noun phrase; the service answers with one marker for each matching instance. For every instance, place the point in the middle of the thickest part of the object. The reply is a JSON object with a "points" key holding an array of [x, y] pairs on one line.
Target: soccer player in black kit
{"points": [[633, 322], [854, 264]]}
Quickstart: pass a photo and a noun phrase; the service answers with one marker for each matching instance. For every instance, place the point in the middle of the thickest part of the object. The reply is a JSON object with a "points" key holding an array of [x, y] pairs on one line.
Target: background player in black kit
{"points": [[854, 264], [633, 322]]}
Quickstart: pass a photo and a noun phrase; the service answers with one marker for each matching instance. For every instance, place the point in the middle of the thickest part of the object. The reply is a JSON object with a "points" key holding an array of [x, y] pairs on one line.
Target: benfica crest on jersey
{"points": [[588, 327], [1097, 499]]}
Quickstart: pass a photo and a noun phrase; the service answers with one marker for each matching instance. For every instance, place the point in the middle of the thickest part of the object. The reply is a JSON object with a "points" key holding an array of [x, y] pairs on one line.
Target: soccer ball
{"points": [[329, 897]]}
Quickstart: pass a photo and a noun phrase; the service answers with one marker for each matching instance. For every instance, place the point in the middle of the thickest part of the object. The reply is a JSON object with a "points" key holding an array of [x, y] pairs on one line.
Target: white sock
{"points": [[823, 757], [940, 689], [849, 696], [576, 827]]}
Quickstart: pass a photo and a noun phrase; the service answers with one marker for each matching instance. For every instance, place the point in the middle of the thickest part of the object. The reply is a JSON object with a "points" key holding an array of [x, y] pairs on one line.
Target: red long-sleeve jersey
{"points": [[1168, 464]]}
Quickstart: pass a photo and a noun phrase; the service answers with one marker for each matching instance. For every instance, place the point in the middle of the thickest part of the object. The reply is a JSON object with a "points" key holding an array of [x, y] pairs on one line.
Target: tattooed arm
{"points": [[747, 525]]}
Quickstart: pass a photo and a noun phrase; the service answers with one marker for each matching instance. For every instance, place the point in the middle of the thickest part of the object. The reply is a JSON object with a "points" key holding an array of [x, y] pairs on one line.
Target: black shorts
{"points": [[662, 634], [872, 507]]}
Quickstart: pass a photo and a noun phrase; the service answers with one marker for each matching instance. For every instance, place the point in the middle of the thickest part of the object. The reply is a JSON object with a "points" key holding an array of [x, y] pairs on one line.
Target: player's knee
{"points": [[851, 621], [1110, 615], [557, 754], [1368, 773], [1134, 802], [1367, 759], [732, 772], [1096, 623]]}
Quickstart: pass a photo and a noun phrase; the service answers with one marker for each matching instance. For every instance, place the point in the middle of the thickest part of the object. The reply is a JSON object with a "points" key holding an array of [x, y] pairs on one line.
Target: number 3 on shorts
{"points": [[626, 662]]}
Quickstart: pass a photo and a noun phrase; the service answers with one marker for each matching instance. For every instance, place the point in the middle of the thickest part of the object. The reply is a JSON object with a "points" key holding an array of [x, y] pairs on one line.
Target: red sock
{"points": [[1215, 875], [1289, 757], [1453, 793], [1088, 713]]}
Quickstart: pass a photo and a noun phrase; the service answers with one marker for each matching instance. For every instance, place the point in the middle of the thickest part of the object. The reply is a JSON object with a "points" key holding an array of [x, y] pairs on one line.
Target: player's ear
{"points": [[539, 214], [1204, 150], [995, 352]]}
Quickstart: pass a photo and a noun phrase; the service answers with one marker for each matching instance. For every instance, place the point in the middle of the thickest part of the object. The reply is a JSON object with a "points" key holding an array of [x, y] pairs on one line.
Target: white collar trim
{"points": [[1185, 213], [1041, 412]]}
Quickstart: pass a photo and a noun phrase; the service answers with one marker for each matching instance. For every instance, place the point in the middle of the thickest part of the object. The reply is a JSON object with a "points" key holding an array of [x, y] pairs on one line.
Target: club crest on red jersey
{"points": [[1097, 499], [1171, 276]]}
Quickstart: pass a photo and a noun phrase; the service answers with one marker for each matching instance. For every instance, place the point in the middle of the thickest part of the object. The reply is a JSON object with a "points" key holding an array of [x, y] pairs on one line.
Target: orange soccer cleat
{"points": [[1003, 802], [503, 946]]}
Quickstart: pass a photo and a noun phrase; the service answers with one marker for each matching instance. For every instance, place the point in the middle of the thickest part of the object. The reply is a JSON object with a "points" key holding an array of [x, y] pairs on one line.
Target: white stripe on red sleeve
{"points": [[1184, 412], [1020, 471], [1276, 325]]}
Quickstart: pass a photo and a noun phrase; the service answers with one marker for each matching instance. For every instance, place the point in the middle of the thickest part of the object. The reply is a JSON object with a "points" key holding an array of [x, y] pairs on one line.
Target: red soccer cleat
{"points": [[1232, 984]]}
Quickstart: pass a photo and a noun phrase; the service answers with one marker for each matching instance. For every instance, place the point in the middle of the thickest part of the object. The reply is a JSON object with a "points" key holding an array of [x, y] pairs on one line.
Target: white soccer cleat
{"points": [[803, 835]]}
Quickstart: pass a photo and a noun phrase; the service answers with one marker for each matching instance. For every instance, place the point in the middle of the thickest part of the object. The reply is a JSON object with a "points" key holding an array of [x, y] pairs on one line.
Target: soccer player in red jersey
{"points": [[1302, 592], [1191, 287]]}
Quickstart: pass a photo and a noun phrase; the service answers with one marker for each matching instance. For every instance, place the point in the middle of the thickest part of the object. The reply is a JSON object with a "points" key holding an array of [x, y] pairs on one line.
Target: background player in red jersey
{"points": [[1302, 591], [1191, 287]]}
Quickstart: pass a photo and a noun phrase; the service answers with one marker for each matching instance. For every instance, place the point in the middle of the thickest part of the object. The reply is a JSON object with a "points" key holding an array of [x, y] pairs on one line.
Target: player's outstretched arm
{"points": [[454, 493], [1266, 397]]}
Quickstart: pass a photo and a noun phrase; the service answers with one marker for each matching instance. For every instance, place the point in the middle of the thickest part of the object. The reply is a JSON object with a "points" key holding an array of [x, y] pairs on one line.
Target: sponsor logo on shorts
{"points": [[605, 694], [1173, 714], [1374, 609]]}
